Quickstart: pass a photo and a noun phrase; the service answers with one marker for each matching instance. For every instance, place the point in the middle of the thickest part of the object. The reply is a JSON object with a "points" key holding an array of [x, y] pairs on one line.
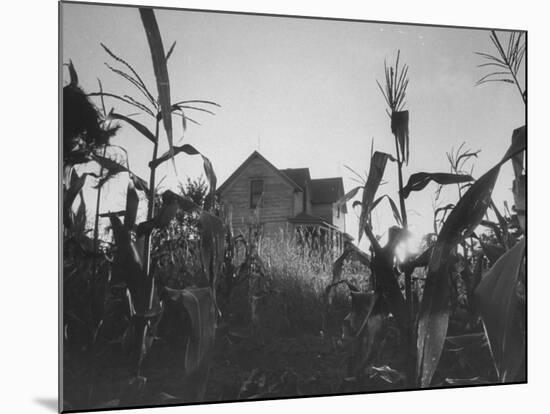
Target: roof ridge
{"points": [[255, 153], [327, 178]]}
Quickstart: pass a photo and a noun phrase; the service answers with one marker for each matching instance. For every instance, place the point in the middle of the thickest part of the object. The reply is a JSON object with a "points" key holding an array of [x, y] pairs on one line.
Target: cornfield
{"points": [[167, 305]]}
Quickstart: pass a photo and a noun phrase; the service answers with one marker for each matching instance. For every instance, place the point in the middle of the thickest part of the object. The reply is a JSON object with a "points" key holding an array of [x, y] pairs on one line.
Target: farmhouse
{"points": [[287, 202]]}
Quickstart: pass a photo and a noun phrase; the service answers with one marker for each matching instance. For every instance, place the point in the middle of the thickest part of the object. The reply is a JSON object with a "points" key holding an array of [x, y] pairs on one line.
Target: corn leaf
{"points": [[137, 125], [510, 60], [382, 265], [199, 305], [132, 203], [171, 203], [208, 168], [519, 143], [400, 128], [434, 309], [212, 181], [186, 148], [126, 99], [419, 181], [161, 70], [212, 247], [71, 190], [503, 315], [519, 136], [376, 172], [390, 375], [139, 183], [79, 220], [128, 264], [73, 185], [73, 76], [198, 101], [395, 210], [444, 210], [170, 51], [348, 196], [135, 79], [113, 168], [519, 190]]}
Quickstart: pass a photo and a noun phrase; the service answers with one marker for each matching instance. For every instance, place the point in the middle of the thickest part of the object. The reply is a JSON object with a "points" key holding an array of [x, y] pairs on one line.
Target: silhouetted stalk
{"points": [[411, 347], [400, 178], [505, 236], [147, 249], [150, 212], [394, 93], [408, 287], [92, 281], [97, 212], [151, 196]]}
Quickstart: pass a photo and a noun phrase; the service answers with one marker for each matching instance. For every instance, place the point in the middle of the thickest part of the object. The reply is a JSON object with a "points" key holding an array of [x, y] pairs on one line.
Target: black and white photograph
{"points": [[262, 206]]}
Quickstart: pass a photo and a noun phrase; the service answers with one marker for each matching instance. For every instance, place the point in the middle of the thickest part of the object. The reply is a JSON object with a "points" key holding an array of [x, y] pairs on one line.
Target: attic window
{"points": [[256, 191]]}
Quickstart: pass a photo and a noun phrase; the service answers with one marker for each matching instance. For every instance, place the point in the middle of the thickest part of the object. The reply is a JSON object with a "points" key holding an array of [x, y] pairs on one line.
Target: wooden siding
{"points": [[298, 202], [278, 201], [329, 213], [322, 210], [339, 222]]}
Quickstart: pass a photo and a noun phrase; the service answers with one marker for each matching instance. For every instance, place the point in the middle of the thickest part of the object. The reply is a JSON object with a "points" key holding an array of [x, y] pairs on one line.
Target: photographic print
{"points": [[260, 206]]}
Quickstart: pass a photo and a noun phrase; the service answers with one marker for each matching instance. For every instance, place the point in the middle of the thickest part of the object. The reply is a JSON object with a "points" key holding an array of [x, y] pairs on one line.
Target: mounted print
{"points": [[259, 206]]}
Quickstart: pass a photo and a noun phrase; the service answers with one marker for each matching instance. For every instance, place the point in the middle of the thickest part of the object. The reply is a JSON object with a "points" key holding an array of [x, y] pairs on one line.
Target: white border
{"points": [[29, 176]]}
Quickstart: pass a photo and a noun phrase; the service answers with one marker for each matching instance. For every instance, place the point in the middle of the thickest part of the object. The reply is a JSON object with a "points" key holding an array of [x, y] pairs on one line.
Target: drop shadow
{"points": [[49, 403]]}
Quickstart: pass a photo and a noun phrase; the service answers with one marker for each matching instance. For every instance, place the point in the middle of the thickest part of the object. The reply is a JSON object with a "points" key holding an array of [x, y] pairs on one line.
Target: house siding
{"points": [[324, 211], [329, 213], [298, 202], [339, 222], [278, 201]]}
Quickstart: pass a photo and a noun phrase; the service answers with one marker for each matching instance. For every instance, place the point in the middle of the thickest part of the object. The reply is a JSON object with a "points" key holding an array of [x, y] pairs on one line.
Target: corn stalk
{"points": [[396, 82]]}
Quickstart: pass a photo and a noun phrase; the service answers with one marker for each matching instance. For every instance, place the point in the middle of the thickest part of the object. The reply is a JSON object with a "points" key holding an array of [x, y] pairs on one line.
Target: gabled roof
{"points": [[323, 190], [327, 191], [299, 175], [257, 155]]}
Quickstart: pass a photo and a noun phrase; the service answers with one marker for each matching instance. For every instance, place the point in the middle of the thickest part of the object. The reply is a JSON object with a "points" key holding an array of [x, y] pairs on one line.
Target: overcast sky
{"points": [[303, 92]]}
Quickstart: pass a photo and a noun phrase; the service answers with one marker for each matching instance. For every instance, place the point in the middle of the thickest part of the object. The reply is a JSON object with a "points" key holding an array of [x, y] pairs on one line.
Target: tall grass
{"points": [[287, 296]]}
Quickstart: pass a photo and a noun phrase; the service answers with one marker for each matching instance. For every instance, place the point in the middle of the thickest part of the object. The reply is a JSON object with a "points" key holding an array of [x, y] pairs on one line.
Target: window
{"points": [[256, 191], [338, 212]]}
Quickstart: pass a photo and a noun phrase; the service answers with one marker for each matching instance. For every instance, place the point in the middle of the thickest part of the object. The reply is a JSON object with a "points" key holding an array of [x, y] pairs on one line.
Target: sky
{"points": [[303, 93]]}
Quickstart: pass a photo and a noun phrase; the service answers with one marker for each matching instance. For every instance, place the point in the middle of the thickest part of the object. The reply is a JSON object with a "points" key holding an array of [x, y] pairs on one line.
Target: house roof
{"points": [[299, 175], [252, 156], [327, 190], [323, 190]]}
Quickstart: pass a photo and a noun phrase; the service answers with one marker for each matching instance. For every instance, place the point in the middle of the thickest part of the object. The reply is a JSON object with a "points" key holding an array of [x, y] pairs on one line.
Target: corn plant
{"points": [[383, 258], [506, 63], [86, 132], [461, 222], [132, 240], [463, 217], [496, 295]]}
